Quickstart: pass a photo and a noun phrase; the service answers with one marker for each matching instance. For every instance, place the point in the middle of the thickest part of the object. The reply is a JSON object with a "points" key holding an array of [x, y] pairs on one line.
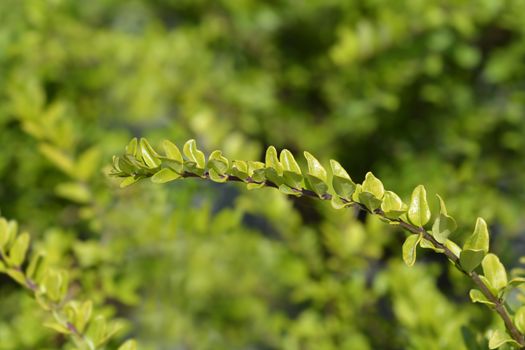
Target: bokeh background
{"points": [[417, 91]]}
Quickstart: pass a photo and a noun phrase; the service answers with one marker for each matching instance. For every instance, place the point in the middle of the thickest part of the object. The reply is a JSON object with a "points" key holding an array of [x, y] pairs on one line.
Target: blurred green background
{"points": [[417, 91]]}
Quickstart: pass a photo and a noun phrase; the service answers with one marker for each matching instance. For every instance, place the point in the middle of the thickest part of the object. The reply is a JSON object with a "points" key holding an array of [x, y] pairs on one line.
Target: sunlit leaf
{"points": [[499, 338], [409, 249], [373, 185], [164, 175], [418, 210], [494, 271]]}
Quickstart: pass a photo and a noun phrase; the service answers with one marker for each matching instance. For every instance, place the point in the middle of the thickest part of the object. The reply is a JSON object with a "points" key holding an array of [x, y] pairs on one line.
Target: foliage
{"points": [[414, 91], [50, 288], [142, 161]]}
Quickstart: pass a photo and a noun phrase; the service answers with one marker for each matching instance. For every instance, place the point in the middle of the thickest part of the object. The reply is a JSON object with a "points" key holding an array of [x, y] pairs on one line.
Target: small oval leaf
{"points": [[373, 185], [132, 147], [494, 271], [479, 240], [477, 297], [172, 151], [341, 181], [4, 233], [193, 154], [519, 319], [470, 259], [129, 345], [240, 169], [315, 168], [17, 253], [149, 156], [409, 249], [291, 170], [218, 162], [128, 181], [499, 338], [418, 210], [289, 163], [272, 161], [392, 205], [164, 175]]}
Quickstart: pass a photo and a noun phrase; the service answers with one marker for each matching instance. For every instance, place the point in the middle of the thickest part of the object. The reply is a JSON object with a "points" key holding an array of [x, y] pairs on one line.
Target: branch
{"points": [[50, 288], [283, 173]]}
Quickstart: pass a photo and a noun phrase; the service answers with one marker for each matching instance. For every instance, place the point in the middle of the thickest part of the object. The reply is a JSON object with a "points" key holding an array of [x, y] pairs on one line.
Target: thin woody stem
{"points": [[499, 307]]}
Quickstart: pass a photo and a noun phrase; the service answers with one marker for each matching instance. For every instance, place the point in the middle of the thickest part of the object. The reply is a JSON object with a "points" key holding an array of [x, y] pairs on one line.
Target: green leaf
{"points": [[128, 181], [43, 301], [453, 247], [519, 319], [316, 175], [274, 169], [172, 151], [4, 233], [479, 240], [87, 163], [12, 228], [74, 191], [256, 171], [289, 191], [164, 175], [418, 210], [240, 169], [125, 165], [132, 147], [17, 253], [149, 156], [174, 156], [499, 338], [424, 243], [315, 168], [97, 330], [470, 259], [317, 185], [129, 345], [193, 154], [373, 185], [487, 283], [477, 297], [494, 271], [516, 281], [57, 327], [409, 249], [253, 186], [100, 331], [216, 177], [83, 315], [291, 171], [444, 225], [218, 162], [392, 205], [338, 203], [272, 161], [37, 266], [289, 163], [357, 192], [369, 200], [58, 157], [476, 246], [55, 284], [17, 275], [341, 181]]}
